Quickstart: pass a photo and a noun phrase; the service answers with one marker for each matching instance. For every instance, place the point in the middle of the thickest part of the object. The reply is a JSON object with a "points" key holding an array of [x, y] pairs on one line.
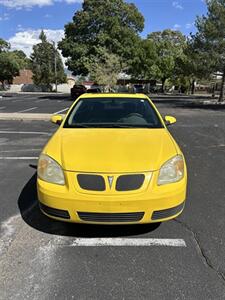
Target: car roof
{"points": [[113, 95]]}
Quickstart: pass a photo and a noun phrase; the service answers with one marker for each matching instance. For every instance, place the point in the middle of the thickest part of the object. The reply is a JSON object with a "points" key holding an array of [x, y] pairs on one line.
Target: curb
{"points": [[25, 117]]}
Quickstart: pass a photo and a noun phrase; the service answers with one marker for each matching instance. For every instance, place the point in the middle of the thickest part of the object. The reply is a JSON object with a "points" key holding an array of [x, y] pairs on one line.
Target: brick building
{"points": [[25, 77]]}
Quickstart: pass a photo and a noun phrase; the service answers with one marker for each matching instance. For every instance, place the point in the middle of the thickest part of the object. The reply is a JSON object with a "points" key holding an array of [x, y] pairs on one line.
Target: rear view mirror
{"points": [[57, 119], [169, 120]]}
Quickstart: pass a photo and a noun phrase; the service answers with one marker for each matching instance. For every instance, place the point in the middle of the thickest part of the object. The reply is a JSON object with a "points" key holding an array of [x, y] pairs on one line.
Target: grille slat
{"points": [[111, 217], [91, 182], [129, 182], [166, 213]]}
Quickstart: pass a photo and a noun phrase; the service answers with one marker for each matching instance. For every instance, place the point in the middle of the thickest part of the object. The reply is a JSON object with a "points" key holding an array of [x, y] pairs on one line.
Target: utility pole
{"points": [[55, 65]]}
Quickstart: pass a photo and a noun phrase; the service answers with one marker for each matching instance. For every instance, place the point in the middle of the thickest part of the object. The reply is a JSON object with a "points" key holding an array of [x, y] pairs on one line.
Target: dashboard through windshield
{"points": [[113, 113]]}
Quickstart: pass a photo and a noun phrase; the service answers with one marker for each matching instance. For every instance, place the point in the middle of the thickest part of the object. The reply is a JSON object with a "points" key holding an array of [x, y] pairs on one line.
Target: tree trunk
{"points": [[163, 85], [221, 98], [193, 86], [3, 85]]}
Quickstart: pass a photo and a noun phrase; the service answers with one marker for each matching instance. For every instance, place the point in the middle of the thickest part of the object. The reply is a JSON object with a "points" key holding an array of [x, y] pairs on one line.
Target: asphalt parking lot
{"points": [[42, 259], [38, 103]]}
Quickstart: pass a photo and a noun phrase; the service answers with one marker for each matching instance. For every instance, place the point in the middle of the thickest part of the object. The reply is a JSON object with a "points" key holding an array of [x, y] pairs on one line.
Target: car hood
{"points": [[111, 150]]}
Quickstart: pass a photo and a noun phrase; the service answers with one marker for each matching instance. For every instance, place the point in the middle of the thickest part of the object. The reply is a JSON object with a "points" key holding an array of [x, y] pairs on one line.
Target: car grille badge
{"points": [[110, 180]]}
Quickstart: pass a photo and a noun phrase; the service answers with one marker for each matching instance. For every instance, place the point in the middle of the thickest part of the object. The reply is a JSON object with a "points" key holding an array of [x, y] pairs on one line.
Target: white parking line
{"points": [[29, 109], [93, 242], [17, 158], [58, 112], [38, 101], [24, 132]]}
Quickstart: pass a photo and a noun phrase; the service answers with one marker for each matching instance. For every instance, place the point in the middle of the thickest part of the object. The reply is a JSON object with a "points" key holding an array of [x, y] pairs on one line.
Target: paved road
{"points": [[28, 103], [40, 260]]}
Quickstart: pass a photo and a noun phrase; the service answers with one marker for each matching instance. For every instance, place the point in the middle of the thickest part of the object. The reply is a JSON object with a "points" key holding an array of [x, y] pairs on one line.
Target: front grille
{"points": [[91, 182], [111, 217], [55, 212], [166, 213], [129, 182]]}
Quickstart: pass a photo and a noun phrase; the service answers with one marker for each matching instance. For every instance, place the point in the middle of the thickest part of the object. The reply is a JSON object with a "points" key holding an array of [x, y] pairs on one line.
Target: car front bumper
{"points": [[152, 204]]}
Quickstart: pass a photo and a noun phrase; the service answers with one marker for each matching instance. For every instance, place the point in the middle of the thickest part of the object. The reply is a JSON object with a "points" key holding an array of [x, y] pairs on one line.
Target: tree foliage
{"points": [[209, 41], [9, 67], [169, 46], [11, 62], [112, 25], [144, 61], [44, 59], [4, 46], [104, 68]]}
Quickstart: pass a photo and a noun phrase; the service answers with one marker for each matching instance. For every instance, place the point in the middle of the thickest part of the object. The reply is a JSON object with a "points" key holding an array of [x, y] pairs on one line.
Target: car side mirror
{"points": [[57, 119], [169, 120]]}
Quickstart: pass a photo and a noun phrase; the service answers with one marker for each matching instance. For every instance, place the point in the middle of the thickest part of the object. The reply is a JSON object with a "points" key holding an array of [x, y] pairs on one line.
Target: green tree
{"points": [[169, 47], [192, 66], [110, 24], [209, 41], [104, 68], [9, 67], [143, 63], [22, 59], [4, 46], [10, 62], [46, 63]]}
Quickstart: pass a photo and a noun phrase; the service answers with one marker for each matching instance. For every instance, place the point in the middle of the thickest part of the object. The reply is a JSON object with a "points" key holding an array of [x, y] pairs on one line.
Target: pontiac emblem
{"points": [[110, 180]]}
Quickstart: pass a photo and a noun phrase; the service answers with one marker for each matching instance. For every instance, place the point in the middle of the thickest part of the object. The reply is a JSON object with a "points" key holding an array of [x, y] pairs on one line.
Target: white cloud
{"points": [[189, 25], [19, 4], [4, 17], [25, 40], [176, 27], [177, 5]]}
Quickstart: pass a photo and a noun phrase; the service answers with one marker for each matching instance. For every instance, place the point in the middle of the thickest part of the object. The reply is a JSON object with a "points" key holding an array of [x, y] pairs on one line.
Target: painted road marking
{"points": [[24, 132], [38, 101], [29, 109], [58, 112], [118, 242], [19, 150], [3, 107], [17, 158]]}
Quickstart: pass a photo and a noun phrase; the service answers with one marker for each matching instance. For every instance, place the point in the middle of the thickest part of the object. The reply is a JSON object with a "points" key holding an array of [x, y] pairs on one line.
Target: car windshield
{"points": [[114, 113]]}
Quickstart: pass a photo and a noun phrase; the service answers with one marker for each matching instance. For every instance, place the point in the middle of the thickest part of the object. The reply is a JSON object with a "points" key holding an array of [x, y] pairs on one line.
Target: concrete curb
{"points": [[25, 117]]}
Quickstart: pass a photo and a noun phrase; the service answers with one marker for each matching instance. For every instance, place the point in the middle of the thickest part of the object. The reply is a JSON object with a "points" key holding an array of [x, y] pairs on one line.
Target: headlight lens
{"points": [[49, 170], [171, 171]]}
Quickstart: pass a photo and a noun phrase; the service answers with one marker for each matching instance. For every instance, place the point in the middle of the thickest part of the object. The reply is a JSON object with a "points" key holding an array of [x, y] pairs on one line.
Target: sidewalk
{"points": [[25, 117]]}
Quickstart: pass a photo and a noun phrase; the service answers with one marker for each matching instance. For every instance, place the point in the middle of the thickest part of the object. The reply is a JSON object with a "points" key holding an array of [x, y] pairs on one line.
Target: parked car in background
{"points": [[77, 90], [94, 90], [138, 88]]}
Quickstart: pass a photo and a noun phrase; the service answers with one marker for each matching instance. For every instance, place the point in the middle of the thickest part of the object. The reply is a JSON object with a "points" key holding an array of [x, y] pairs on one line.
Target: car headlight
{"points": [[171, 171], [49, 170]]}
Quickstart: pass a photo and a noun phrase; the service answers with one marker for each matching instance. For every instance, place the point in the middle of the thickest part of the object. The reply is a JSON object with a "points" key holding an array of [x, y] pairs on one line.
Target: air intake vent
{"points": [[55, 212], [111, 217], [91, 182], [129, 182], [166, 213]]}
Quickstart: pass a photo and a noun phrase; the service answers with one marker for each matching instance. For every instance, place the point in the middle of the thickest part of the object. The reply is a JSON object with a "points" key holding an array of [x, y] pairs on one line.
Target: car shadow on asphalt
{"points": [[31, 214]]}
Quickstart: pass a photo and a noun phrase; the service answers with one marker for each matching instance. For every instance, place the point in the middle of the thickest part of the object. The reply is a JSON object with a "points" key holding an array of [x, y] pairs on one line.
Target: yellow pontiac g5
{"points": [[112, 161]]}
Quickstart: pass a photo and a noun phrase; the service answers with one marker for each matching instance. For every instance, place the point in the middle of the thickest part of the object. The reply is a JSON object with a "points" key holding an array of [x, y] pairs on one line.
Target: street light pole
{"points": [[55, 66]]}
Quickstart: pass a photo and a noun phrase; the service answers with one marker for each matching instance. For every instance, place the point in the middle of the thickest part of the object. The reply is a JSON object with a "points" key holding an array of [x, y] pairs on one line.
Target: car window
{"points": [[113, 112]]}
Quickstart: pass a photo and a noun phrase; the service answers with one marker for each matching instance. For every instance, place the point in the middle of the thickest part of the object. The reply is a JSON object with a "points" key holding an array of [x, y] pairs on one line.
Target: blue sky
{"points": [[22, 20]]}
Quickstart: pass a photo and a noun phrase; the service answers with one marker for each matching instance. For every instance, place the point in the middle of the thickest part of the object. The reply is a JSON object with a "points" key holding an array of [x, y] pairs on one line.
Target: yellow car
{"points": [[112, 161]]}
